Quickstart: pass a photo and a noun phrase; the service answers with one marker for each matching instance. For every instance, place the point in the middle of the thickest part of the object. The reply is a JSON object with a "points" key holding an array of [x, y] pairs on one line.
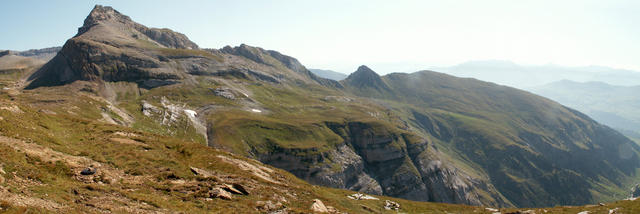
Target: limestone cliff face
{"points": [[111, 47], [107, 16], [376, 160]]}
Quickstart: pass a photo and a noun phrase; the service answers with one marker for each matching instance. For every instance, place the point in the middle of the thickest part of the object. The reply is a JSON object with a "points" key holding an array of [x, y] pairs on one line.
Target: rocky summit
{"points": [[126, 118]]}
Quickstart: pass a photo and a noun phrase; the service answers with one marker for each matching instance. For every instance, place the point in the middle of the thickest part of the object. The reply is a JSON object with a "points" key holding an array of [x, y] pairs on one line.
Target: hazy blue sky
{"points": [[386, 35]]}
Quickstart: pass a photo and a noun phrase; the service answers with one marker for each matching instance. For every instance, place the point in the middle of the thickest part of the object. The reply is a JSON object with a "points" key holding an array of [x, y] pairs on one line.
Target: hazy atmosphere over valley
{"points": [[320, 106]]}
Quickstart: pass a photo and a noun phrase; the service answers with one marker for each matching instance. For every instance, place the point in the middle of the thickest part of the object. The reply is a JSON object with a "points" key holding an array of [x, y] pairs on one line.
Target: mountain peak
{"points": [[107, 24], [102, 14], [367, 70], [364, 77]]}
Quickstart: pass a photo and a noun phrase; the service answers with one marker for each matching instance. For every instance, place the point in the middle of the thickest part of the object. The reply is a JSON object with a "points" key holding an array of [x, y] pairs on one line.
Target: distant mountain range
{"points": [[519, 76], [329, 74], [615, 106]]}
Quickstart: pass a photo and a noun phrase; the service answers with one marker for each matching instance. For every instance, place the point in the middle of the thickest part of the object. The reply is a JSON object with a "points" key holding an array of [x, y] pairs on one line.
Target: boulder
{"points": [[220, 193], [235, 189], [88, 171], [391, 205], [318, 206]]}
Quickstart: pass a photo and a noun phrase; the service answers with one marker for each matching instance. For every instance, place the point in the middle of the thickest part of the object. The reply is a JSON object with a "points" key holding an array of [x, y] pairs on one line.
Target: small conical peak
{"points": [[365, 77], [364, 72], [102, 14], [363, 69]]}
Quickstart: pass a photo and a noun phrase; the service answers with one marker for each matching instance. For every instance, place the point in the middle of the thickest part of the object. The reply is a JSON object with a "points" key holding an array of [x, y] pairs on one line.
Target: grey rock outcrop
{"points": [[111, 47], [635, 192], [386, 162], [107, 15]]}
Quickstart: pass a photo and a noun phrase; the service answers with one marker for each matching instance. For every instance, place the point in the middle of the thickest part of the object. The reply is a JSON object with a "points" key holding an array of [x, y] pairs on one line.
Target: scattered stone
{"points": [[391, 205], [88, 171], [612, 211], [584, 212], [2, 171], [601, 204], [280, 198], [318, 206], [528, 212], [220, 193], [13, 109], [224, 92], [360, 196], [332, 209], [265, 205], [268, 206]]}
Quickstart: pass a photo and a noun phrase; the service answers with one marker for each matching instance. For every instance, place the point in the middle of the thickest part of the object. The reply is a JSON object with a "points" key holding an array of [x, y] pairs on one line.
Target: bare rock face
{"points": [[107, 15], [111, 47], [378, 161], [278, 60], [635, 192]]}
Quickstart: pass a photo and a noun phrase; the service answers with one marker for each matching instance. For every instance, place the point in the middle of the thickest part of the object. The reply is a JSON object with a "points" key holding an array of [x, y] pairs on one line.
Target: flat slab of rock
{"points": [[235, 189], [220, 193]]}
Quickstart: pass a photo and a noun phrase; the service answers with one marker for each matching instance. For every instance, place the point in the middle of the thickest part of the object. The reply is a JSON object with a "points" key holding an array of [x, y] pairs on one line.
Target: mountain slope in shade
{"points": [[329, 74], [615, 106], [535, 151]]}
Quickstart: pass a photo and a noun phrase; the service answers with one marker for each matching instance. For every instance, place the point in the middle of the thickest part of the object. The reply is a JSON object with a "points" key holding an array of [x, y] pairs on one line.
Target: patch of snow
{"points": [[611, 211], [584, 212], [190, 113], [491, 209], [256, 110], [360, 196], [5, 88], [245, 94]]}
